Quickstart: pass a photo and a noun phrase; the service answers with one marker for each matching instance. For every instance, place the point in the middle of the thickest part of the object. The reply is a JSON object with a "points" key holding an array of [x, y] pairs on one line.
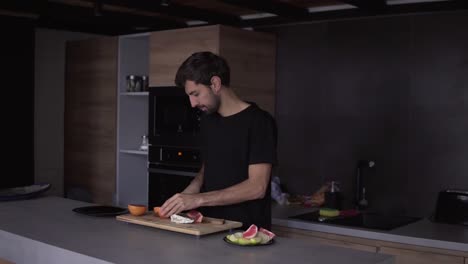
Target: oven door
{"points": [[164, 183]]}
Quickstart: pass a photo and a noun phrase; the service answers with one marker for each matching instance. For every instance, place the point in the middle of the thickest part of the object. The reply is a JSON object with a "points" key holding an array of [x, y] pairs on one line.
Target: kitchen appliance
{"points": [[172, 120], [173, 134], [452, 207], [364, 170], [171, 169], [362, 220]]}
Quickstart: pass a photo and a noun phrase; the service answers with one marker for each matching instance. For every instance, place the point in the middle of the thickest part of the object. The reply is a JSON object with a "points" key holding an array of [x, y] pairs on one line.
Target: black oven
{"points": [[171, 169], [173, 134], [162, 184], [172, 120]]}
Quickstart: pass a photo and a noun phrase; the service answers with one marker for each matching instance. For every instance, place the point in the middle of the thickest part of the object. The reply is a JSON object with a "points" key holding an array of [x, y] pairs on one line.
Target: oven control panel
{"points": [[180, 155], [174, 155]]}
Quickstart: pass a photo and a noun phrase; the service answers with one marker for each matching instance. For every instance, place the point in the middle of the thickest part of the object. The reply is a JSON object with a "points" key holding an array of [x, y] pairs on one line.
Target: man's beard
{"points": [[216, 104]]}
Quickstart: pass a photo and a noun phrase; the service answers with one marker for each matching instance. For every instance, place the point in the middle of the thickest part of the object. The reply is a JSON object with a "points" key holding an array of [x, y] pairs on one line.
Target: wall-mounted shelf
{"points": [[132, 151], [132, 122], [135, 93]]}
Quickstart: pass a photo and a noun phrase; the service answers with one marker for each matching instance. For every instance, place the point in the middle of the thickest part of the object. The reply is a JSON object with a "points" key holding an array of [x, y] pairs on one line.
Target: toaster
{"points": [[452, 207]]}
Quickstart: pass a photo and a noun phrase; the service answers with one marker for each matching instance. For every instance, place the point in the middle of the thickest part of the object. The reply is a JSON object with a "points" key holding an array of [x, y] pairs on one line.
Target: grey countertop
{"points": [[48, 222], [421, 233]]}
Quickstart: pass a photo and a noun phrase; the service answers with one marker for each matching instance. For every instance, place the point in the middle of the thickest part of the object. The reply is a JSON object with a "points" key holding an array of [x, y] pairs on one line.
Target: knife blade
{"points": [[211, 220]]}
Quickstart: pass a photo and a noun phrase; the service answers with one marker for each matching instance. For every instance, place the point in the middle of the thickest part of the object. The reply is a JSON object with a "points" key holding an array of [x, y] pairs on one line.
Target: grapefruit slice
{"points": [[266, 235], [157, 212], [251, 232], [195, 215]]}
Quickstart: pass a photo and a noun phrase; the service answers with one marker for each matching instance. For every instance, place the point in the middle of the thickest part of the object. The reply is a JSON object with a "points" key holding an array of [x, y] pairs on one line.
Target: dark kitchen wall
{"points": [[17, 101], [49, 83], [390, 89]]}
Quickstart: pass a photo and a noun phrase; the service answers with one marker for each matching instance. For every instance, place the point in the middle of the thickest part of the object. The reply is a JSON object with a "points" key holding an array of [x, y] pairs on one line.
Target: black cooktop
{"points": [[363, 220]]}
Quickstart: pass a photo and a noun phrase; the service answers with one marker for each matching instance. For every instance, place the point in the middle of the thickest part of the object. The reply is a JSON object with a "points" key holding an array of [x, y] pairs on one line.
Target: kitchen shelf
{"points": [[132, 151], [135, 93]]}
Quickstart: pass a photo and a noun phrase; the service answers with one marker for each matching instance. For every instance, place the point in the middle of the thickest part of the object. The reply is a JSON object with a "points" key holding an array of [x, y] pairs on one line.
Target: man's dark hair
{"points": [[200, 67]]}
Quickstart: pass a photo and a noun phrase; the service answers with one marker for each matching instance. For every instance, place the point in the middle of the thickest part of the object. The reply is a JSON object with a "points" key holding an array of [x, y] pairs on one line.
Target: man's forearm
{"points": [[195, 185], [253, 188]]}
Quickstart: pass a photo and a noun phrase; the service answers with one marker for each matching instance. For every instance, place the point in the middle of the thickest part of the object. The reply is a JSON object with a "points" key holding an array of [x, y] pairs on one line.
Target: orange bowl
{"points": [[137, 209]]}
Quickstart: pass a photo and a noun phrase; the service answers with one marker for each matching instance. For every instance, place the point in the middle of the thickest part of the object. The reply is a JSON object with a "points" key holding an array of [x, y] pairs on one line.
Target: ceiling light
{"points": [[195, 23], [141, 28], [257, 16], [399, 2], [317, 9], [18, 14]]}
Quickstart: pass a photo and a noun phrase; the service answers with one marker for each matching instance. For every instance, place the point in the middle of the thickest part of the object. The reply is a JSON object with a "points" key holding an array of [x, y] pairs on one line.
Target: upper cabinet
{"points": [[250, 55], [168, 49]]}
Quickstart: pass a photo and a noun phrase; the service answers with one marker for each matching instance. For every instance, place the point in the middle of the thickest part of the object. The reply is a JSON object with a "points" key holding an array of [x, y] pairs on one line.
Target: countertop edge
{"points": [[40, 252]]}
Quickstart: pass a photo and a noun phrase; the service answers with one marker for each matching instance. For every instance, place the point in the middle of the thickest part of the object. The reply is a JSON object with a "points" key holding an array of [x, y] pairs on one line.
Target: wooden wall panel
{"points": [[294, 232], [325, 241], [168, 49], [405, 256], [252, 59], [90, 117]]}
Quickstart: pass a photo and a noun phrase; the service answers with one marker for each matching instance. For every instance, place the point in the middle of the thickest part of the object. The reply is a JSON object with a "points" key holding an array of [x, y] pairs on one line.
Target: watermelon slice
{"points": [[195, 215], [251, 232]]}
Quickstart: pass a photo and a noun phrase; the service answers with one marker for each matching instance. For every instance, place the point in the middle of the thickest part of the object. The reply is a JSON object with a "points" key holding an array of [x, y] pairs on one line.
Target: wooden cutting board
{"points": [[198, 229]]}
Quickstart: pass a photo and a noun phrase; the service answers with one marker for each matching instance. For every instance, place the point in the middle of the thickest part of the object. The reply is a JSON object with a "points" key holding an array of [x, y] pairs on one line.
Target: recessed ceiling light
{"points": [[141, 28], [257, 16], [317, 9], [195, 22], [18, 14], [399, 2]]}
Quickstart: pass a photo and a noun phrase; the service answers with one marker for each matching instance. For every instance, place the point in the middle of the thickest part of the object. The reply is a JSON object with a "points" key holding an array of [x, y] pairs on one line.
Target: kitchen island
{"points": [[46, 230]]}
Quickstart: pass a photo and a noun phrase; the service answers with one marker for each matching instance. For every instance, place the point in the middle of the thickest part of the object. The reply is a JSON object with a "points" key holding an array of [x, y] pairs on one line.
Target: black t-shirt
{"points": [[229, 145]]}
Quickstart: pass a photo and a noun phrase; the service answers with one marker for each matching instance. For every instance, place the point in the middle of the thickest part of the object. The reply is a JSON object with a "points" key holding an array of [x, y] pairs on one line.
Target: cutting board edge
{"points": [[128, 218]]}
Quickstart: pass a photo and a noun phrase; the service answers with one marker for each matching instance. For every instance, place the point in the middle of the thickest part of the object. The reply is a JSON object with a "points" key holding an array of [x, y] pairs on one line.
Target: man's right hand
{"points": [[180, 202]]}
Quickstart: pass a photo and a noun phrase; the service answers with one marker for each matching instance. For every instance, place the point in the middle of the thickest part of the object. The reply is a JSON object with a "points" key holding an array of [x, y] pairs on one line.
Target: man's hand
{"points": [[178, 203]]}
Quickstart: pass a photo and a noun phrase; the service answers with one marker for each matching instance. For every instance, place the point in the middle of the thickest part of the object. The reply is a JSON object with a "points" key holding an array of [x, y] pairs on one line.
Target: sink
{"points": [[364, 220]]}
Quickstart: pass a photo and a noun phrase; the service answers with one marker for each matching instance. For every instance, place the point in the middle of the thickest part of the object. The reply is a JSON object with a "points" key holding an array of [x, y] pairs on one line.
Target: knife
{"points": [[207, 220], [210, 220]]}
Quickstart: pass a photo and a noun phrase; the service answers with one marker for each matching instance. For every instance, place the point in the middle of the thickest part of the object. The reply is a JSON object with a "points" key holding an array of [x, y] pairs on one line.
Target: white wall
{"points": [[49, 70]]}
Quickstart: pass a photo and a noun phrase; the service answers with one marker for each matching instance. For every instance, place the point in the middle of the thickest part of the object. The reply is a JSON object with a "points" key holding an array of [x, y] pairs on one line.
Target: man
{"points": [[238, 148]]}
